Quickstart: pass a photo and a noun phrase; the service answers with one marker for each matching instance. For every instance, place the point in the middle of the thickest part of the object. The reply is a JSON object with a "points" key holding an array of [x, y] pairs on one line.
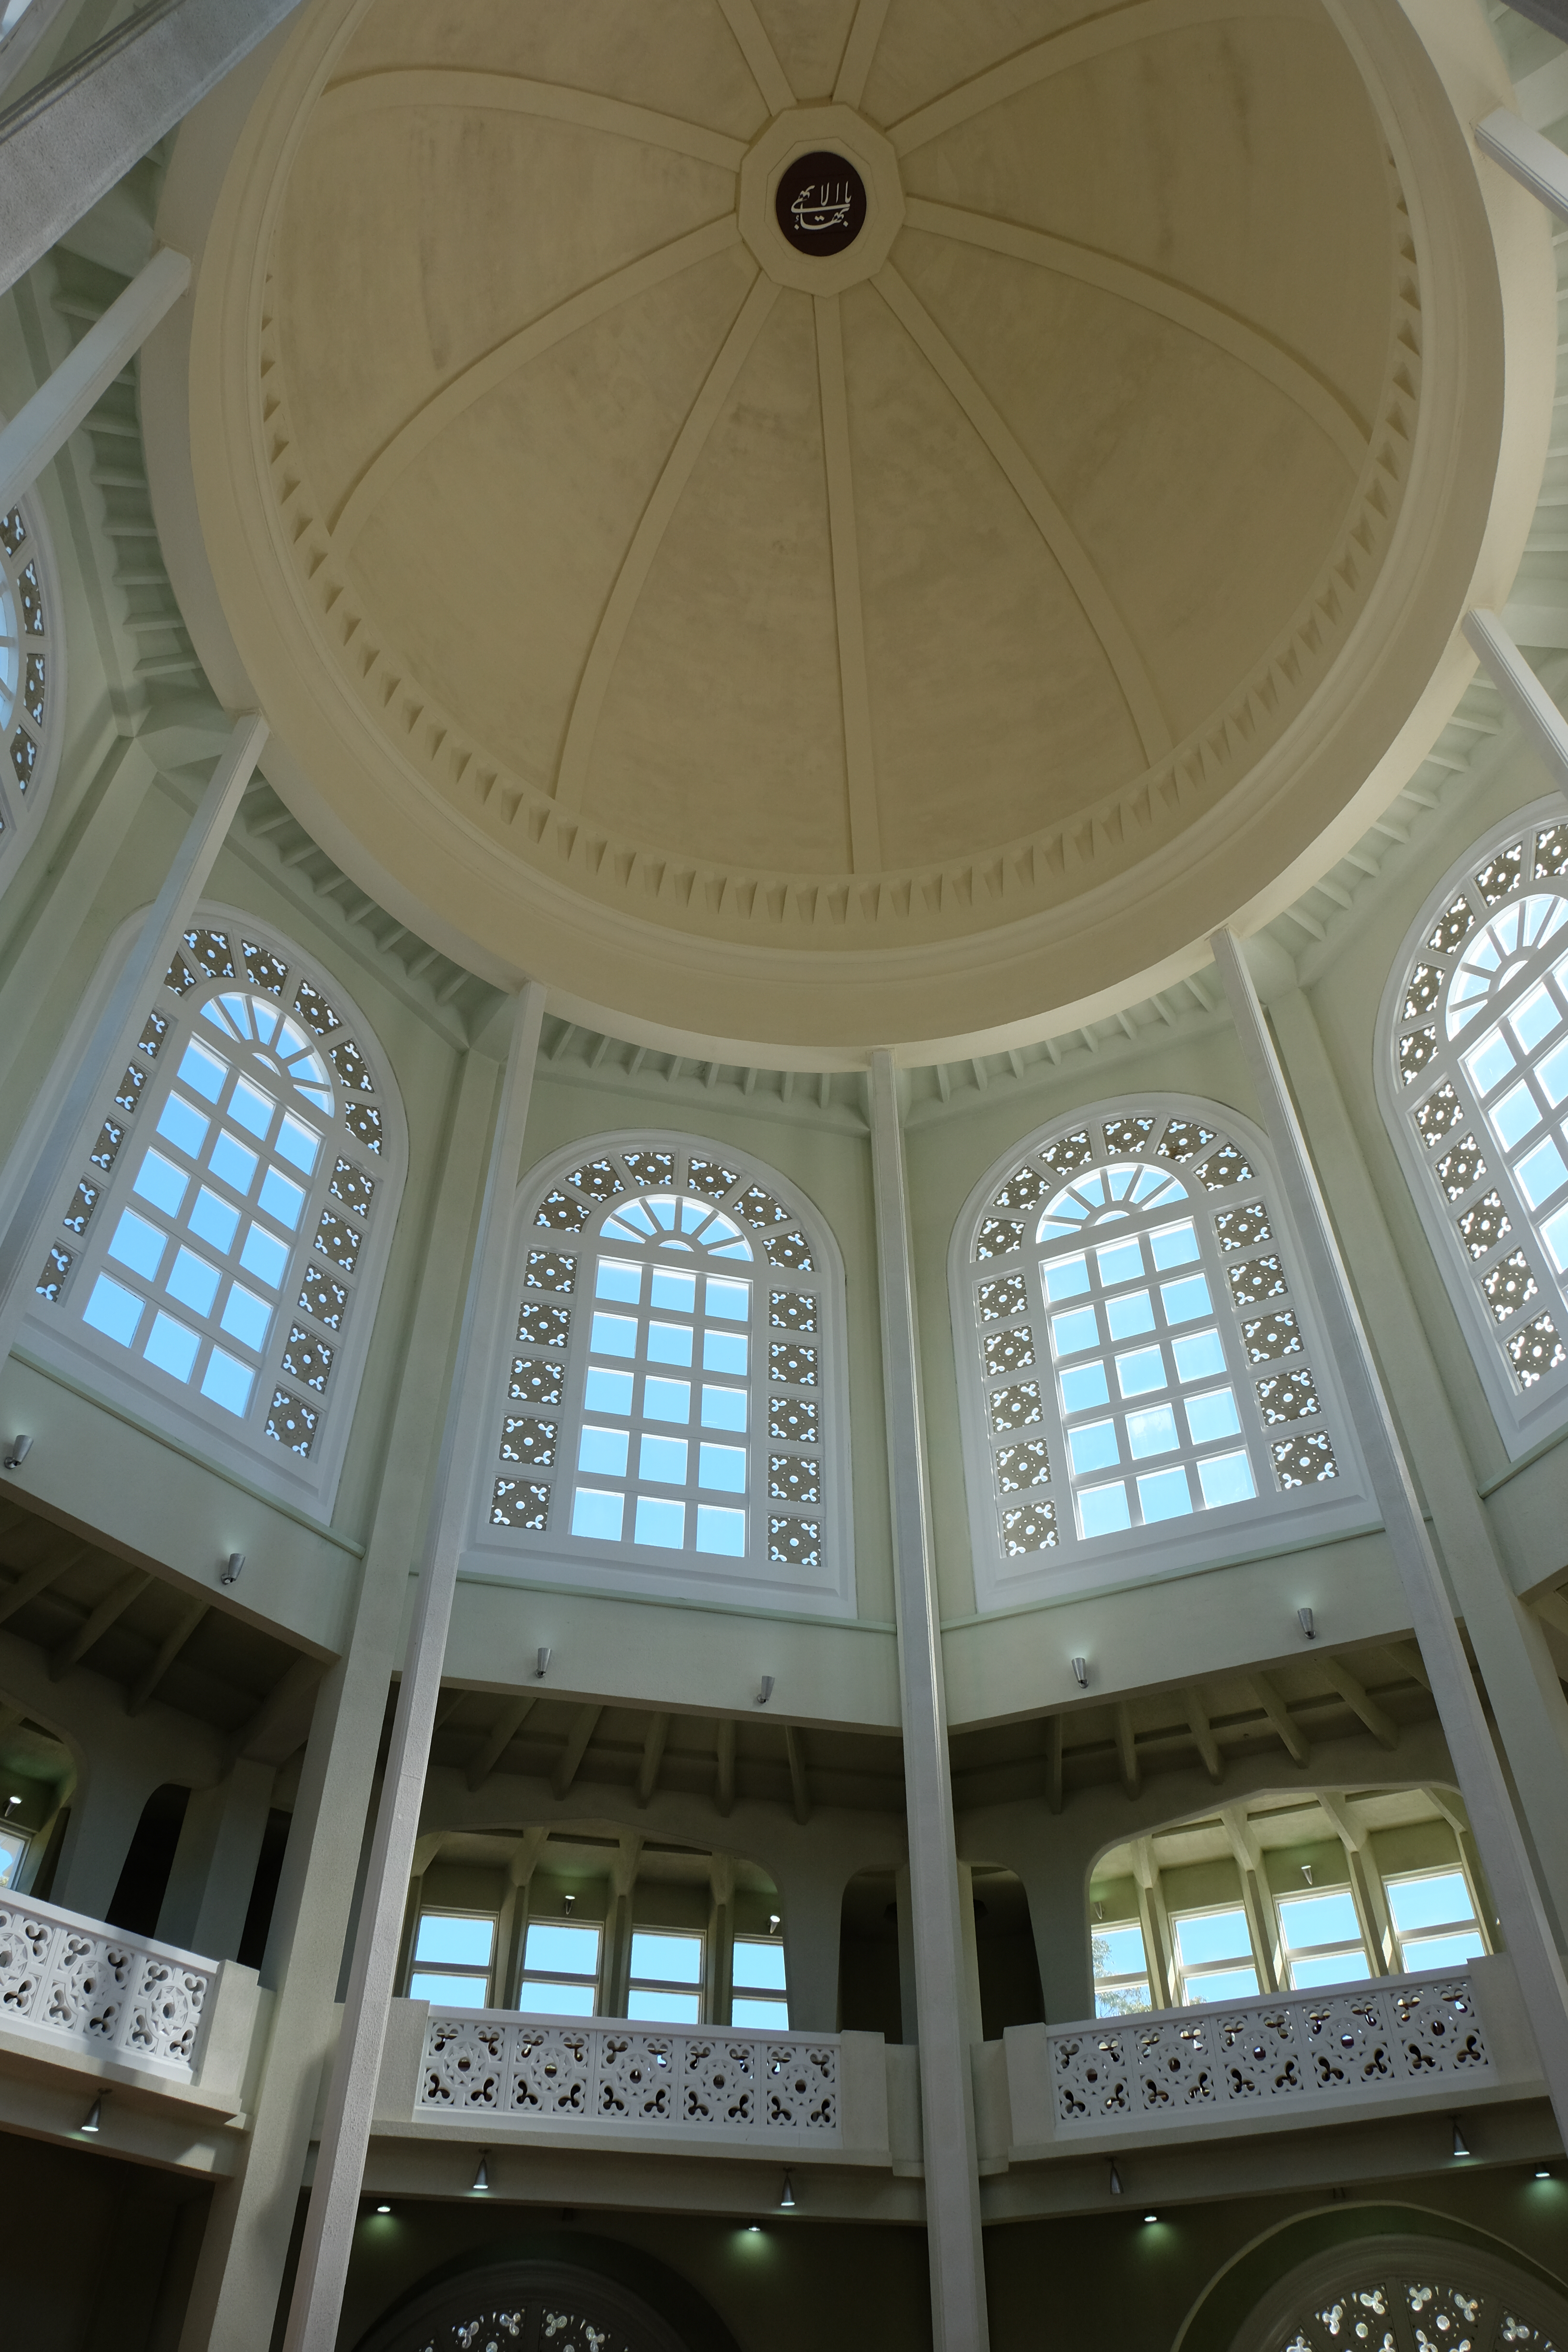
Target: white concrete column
{"points": [[951, 2179], [104, 1813], [1531, 158], [719, 1971], [1475, 1759], [40, 1171], [1366, 1886], [616, 1970], [334, 2195], [1540, 721], [511, 1928], [74, 137], [214, 1868], [47, 421], [1257, 1900], [1159, 1946]]}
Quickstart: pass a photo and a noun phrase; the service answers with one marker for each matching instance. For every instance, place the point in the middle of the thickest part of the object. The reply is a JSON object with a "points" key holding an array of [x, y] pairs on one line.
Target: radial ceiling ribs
{"points": [[859, 52], [503, 93], [1119, 28], [859, 756], [1126, 662], [1276, 364], [444, 407], [497, 1739], [754, 46], [703, 415], [584, 1726]]}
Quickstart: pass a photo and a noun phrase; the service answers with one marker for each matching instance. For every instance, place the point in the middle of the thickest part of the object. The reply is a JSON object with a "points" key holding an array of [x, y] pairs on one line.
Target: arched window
{"points": [[31, 685], [1141, 1373], [1406, 2295], [226, 1241], [674, 1401], [1472, 1071]]}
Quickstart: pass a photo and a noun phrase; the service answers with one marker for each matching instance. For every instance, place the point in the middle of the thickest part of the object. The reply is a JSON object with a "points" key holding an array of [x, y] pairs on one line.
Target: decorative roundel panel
{"points": [[525, 2307]]}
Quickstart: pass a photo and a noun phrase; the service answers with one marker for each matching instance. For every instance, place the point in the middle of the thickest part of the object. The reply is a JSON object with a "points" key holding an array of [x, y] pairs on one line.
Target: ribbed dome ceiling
{"points": [[850, 603]]}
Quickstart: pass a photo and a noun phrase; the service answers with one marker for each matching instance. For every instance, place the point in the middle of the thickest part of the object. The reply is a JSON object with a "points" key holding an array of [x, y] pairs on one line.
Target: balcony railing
{"points": [[84, 1985], [1348, 2044], [737, 2083]]}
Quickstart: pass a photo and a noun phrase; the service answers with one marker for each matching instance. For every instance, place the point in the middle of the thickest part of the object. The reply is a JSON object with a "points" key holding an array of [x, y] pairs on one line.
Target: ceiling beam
{"points": [[1408, 1656], [281, 1722], [496, 1740], [653, 1738], [168, 1650], [724, 1761], [583, 1723], [799, 1783], [1127, 1751], [1279, 1714], [37, 1578], [1202, 1729], [1359, 1699], [97, 1622]]}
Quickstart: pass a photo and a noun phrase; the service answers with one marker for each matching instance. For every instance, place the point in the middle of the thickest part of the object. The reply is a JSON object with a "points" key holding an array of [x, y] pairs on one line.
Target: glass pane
{"points": [[1123, 1999], [1319, 1919], [1226, 1478], [1084, 1389], [664, 2008], [1164, 1494], [1144, 1370], [557, 2000], [617, 1280], [1066, 1279], [1214, 1936], [720, 1531], [13, 1846], [1094, 1447], [1173, 1245], [562, 1950], [601, 1452], [758, 1965], [1441, 1951], [1225, 1984], [1153, 1432], [676, 1959], [1102, 1511], [595, 1513], [113, 1310], [660, 1521], [1120, 1262], [450, 1993], [1130, 1317], [1436, 1900], [1331, 1968], [1117, 1951], [466, 1941], [773, 2015]]}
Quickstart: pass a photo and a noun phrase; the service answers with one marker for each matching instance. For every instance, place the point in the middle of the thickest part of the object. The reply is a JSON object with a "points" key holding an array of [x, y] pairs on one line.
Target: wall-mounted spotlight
{"points": [[787, 2203], [230, 1573], [1543, 2173], [568, 1900], [12, 1800], [383, 2209], [765, 1690], [1115, 2180], [543, 1658], [1080, 1672], [1151, 2216], [94, 2116], [482, 2179], [1461, 2146], [1304, 1619], [1100, 1911], [1307, 1871], [772, 1922], [18, 1452]]}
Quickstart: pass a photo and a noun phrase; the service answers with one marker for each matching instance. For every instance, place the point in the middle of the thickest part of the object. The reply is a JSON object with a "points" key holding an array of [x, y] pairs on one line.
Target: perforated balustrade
{"points": [[1140, 1339], [669, 1386], [1477, 1061], [217, 1237]]}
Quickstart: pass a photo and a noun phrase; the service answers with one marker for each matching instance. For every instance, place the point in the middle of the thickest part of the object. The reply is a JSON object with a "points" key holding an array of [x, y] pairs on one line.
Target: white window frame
{"points": [[1351, 1947], [999, 1220], [1121, 1982], [23, 807], [1185, 1976], [1526, 1412], [64, 1342], [745, 1994], [561, 1976], [551, 1421], [1418, 1936], [456, 1970], [687, 1988]]}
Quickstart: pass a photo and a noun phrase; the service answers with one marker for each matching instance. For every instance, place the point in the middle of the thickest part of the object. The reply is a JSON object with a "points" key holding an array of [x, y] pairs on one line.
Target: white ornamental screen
{"points": [[1140, 1367], [674, 1413], [225, 1243], [1472, 1073], [31, 682]]}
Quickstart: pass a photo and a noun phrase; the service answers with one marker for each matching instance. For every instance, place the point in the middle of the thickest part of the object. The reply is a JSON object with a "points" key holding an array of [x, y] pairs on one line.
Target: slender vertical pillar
{"points": [[720, 1968], [951, 2179], [38, 1175], [1540, 720], [1366, 1886], [335, 2194], [1475, 1762], [1165, 1985], [617, 1966], [75, 137], [46, 422], [1257, 1902], [512, 1930]]}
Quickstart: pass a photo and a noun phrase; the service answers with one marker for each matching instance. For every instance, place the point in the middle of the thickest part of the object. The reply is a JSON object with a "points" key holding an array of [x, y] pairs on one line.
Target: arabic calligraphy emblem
{"points": [[820, 203]]}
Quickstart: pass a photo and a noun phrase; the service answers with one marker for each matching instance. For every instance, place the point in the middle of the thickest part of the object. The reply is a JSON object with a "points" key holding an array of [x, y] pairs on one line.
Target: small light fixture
{"points": [[1100, 1911], [1080, 1672], [12, 1800], [383, 2209], [544, 1656], [1115, 2179], [94, 2116], [765, 1690], [231, 1572], [18, 1452], [772, 1922], [753, 2228], [482, 2179], [787, 2203], [1460, 2149], [1542, 2172], [1307, 1871], [569, 1900], [1151, 2216], [1304, 1619]]}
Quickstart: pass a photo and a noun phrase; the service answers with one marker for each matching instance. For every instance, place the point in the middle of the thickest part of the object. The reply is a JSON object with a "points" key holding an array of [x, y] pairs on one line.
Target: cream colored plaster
{"points": [[1045, 462]]}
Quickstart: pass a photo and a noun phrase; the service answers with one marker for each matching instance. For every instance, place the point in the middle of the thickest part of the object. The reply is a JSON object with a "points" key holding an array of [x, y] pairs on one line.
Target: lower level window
{"points": [[1213, 1954], [13, 1854], [560, 1969], [453, 1955], [1121, 1971], [666, 1986], [1323, 1939], [1435, 1921], [757, 1982]]}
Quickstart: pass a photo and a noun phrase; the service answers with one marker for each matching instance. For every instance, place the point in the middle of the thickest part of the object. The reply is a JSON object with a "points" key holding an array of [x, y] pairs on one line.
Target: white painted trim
{"points": [[1207, 1539], [584, 1564]]}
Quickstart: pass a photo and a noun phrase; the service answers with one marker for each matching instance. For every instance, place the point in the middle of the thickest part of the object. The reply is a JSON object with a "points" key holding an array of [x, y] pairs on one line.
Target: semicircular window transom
{"points": [[1409, 2309]]}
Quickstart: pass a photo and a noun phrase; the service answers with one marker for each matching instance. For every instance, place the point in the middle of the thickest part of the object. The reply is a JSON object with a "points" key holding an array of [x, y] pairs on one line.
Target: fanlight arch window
{"points": [[31, 681], [675, 1408], [1473, 1078], [1407, 2295], [224, 1242], [1141, 1373]]}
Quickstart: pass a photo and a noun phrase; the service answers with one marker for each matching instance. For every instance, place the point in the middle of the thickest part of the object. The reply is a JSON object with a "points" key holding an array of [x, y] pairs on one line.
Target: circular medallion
{"points": [[820, 203]]}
